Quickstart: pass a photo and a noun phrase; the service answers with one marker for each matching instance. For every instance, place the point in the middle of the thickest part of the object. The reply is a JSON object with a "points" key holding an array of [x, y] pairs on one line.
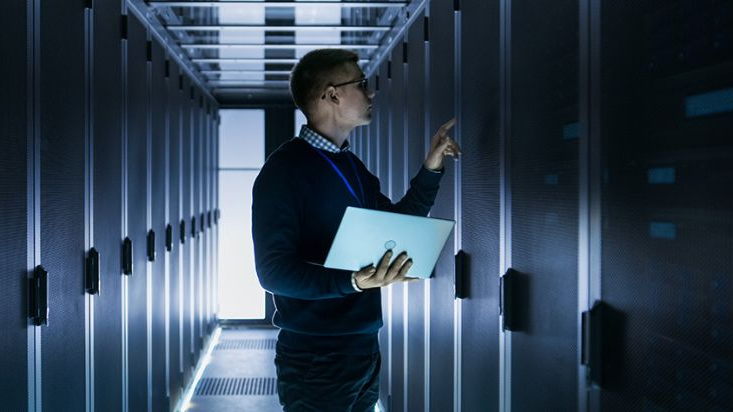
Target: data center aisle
{"points": [[241, 374]]}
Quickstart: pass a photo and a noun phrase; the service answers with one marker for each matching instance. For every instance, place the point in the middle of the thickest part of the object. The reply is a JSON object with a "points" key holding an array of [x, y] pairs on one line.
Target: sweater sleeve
{"points": [[276, 220], [419, 198]]}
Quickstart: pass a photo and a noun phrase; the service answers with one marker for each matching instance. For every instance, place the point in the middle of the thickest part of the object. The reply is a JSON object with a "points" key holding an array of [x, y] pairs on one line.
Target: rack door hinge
{"points": [[92, 272], [38, 297]]}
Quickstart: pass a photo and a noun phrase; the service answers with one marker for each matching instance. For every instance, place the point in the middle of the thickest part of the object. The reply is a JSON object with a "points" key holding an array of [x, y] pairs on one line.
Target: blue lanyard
{"points": [[346, 182]]}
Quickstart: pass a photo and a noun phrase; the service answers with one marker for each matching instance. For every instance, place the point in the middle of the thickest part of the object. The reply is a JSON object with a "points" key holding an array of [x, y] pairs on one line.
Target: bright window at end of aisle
{"points": [[242, 154]]}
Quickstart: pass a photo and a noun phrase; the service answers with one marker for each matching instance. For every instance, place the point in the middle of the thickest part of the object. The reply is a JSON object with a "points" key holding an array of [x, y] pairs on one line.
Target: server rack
{"points": [[441, 100], [414, 62], [63, 213], [107, 126], [17, 202]]}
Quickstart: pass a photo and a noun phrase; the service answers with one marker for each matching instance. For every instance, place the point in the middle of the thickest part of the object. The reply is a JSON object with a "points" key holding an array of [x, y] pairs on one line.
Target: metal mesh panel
{"points": [[441, 287], [62, 202], [108, 205], [480, 203], [237, 387], [545, 204], [246, 344], [159, 110], [13, 204], [397, 105], [174, 219], [667, 204], [136, 212], [415, 158], [185, 102], [381, 103]]}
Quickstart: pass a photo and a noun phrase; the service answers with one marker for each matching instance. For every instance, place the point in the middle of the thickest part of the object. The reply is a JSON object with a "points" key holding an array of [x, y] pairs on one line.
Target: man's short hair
{"points": [[313, 73]]}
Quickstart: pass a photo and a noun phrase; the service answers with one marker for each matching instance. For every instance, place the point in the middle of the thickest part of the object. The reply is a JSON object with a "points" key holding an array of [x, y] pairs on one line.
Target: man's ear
{"points": [[331, 95]]}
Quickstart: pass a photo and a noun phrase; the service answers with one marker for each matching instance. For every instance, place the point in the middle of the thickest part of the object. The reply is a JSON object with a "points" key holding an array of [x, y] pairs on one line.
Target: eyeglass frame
{"points": [[363, 80]]}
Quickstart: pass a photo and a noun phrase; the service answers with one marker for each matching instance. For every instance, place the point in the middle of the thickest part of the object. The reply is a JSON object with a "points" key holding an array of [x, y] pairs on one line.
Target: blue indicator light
{"points": [[570, 131], [719, 101], [661, 175], [663, 230]]}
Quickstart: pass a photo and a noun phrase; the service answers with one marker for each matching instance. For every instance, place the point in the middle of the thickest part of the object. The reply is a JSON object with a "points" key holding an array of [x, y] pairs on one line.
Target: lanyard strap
{"points": [[346, 182]]}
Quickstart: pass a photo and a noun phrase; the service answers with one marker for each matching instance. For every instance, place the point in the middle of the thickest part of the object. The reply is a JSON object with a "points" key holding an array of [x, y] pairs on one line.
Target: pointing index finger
{"points": [[447, 126]]}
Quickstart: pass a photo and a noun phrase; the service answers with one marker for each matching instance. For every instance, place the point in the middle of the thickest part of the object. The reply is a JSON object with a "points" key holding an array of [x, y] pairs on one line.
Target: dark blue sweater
{"points": [[298, 201]]}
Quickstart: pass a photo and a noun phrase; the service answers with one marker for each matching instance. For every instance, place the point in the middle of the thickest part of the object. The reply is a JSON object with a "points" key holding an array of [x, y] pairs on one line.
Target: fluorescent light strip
{"points": [[245, 27], [205, 360], [253, 60], [228, 72], [351, 4], [279, 46]]}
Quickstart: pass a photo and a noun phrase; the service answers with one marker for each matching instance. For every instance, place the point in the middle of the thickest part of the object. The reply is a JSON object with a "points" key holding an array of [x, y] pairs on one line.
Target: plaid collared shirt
{"points": [[320, 142]]}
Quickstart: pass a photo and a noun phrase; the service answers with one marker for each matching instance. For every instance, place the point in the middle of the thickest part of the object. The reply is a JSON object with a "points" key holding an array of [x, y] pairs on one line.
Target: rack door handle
{"points": [[92, 272]]}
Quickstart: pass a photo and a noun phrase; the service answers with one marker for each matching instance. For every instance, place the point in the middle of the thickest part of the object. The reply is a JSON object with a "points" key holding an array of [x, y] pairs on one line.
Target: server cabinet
{"points": [[107, 200], [174, 217], [385, 338], [480, 180], [544, 204], [156, 240], [667, 200], [137, 160], [62, 214], [196, 135], [16, 188], [397, 185], [415, 142], [186, 224], [441, 100]]}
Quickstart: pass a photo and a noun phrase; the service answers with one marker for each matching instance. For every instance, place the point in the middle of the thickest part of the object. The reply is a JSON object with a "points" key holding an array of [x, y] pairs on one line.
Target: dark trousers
{"points": [[308, 381]]}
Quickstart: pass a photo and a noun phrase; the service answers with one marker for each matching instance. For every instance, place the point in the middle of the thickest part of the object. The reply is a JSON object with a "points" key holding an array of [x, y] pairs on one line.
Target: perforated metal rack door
{"points": [[440, 97], [159, 111], [382, 103], [174, 217], [544, 192], [186, 193], [62, 202], [14, 206], [196, 211], [480, 191], [667, 204], [415, 102], [397, 148], [107, 120], [137, 155]]}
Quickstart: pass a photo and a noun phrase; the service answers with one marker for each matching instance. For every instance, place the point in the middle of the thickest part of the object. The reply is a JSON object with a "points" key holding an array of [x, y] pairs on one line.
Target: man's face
{"points": [[355, 102]]}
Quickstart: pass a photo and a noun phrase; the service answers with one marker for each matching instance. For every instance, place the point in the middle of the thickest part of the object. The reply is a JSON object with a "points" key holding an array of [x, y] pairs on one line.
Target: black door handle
{"points": [[38, 297], [169, 237], [127, 256], [151, 245], [92, 269]]}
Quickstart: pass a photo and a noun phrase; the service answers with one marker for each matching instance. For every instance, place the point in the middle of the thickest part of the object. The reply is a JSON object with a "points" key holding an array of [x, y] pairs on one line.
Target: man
{"points": [[327, 354]]}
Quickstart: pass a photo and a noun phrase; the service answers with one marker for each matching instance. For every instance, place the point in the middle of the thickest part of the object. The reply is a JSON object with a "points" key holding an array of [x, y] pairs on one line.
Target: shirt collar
{"points": [[320, 142]]}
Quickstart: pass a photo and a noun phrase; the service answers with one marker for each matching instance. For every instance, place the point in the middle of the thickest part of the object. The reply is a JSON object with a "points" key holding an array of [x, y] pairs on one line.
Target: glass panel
{"points": [[300, 120], [240, 293], [242, 137]]}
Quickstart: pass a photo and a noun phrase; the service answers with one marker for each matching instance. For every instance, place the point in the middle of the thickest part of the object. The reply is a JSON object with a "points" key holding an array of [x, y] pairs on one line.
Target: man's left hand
{"points": [[442, 145]]}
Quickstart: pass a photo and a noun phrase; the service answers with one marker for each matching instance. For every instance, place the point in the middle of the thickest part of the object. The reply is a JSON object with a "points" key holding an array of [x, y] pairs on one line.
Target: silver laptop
{"points": [[365, 235]]}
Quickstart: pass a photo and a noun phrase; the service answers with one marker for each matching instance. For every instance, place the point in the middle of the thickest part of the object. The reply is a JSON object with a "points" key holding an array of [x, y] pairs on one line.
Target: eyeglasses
{"points": [[363, 84]]}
